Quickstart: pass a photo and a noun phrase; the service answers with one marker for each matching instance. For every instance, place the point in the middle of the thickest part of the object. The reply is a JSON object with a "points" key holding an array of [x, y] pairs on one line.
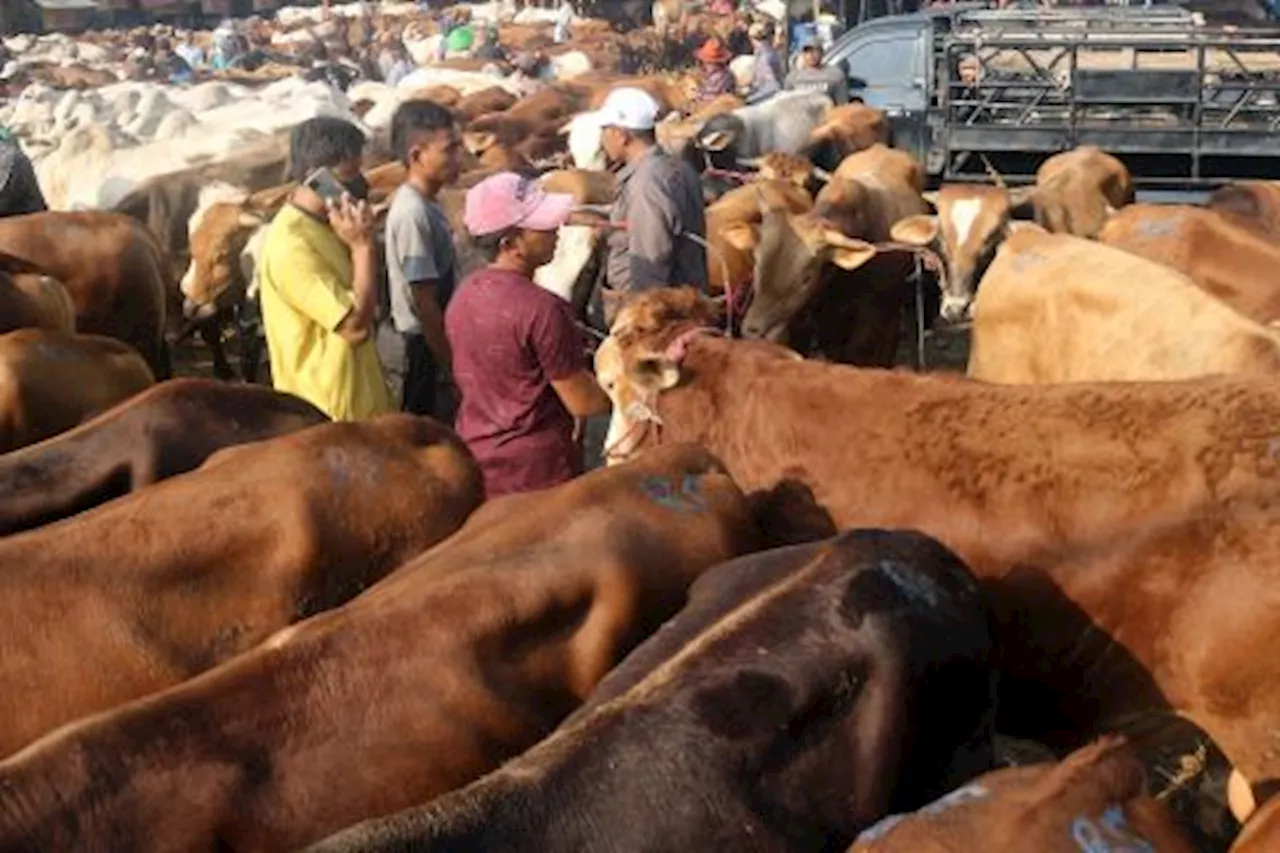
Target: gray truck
{"points": [[975, 92]]}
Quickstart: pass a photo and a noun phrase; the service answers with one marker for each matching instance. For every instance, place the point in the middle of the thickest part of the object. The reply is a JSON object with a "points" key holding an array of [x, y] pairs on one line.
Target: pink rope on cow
{"points": [[623, 225], [741, 177]]}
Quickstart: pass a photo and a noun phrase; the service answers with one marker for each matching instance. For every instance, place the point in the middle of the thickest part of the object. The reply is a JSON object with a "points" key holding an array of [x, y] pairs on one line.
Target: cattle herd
{"points": [[813, 602]]}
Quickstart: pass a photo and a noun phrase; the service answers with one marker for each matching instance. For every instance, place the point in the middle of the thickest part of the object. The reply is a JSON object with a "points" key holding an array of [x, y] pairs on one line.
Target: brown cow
{"points": [[153, 588], [1234, 263], [32, 301], [850, 128], [821, 283], [164, 431], [110, 264], [733, 229], [52, 381], [1253, 204], [461, 659], [494, 99], [1093, 800], [1125, 530], [801, 694], [1055, 308], [969, 226], [1075, 192]]}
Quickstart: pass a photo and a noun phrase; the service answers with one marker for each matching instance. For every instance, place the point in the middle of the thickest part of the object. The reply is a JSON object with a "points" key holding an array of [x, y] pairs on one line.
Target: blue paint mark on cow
{"points": [[916, 586], [1110, 834], [958, 797], [683, 498], [338, 461]]}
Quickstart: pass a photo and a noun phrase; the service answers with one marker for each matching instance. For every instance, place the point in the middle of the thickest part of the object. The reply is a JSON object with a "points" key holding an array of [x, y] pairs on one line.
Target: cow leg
{"points": [[211, 333], [249, 336]]}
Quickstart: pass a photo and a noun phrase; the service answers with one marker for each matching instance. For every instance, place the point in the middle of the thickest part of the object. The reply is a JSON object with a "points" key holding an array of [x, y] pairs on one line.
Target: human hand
{"points": [[352, 221]]}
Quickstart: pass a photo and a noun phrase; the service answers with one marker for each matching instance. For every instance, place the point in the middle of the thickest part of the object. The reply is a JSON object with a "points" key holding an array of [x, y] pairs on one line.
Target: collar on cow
{"points": [[679, 346]]}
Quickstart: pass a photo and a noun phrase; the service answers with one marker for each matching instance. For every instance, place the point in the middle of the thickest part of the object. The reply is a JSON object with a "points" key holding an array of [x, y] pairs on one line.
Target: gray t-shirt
{"points": [[419, 249]]}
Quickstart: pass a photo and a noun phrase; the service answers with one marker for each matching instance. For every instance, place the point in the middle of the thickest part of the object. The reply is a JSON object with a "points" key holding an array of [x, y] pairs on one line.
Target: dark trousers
{"points": [[419, 394]]}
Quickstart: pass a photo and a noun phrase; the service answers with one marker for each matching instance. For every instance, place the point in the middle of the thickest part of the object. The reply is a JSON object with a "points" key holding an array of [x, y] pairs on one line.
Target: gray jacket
{"points": [[659, 199]]}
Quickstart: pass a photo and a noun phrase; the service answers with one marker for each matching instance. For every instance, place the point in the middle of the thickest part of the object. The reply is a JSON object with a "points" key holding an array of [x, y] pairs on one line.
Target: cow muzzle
{"points": [[956, 309], [193, 310]]}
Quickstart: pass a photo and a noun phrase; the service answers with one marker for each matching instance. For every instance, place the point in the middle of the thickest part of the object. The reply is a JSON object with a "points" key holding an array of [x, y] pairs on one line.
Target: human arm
{"points": [[353, 223], [652, 222], [309, 286], [558, 346], [411, 245], [426, 305]]}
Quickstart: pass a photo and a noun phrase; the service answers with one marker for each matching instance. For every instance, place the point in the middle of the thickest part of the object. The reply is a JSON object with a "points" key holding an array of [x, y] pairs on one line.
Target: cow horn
{"points": [[822, 174]]}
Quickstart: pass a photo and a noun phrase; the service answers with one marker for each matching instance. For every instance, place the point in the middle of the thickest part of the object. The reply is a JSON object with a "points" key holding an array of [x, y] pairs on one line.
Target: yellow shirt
{"points": [[304, 275]]}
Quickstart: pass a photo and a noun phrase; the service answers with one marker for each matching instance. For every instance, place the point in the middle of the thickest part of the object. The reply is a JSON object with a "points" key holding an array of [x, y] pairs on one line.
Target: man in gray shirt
{"points": [[659, 207], [812, 76], [421, 268]]}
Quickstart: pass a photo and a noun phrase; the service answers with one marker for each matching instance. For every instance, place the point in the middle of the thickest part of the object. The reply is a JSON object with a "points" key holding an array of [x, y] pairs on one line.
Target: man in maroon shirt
{"points": [[518, 357]]}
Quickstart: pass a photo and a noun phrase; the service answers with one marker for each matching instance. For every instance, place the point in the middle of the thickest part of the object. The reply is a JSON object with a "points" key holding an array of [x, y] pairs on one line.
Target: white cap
{"points": [[628, 108]]}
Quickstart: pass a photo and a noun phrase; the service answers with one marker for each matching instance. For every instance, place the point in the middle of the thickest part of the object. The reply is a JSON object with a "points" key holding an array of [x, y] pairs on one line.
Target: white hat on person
{"points": [[628, 108]]}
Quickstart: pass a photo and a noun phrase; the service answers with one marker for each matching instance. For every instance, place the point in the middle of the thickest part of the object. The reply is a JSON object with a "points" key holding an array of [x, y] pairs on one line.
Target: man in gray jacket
{"points": [[658, 214]]}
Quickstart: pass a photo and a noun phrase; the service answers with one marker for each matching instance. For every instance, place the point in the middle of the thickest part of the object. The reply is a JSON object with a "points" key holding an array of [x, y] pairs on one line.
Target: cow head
{"points": [[850, 128], [641, 359], [969, 226], [718, 138], [791, 253], [216, 277]]}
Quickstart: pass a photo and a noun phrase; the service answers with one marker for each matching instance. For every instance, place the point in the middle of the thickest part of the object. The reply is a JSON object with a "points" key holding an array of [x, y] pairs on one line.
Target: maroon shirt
{"points": [[510, 339]]}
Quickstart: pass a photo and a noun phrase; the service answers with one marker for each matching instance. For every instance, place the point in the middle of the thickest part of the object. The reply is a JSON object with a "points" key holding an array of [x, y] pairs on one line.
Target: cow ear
{"points": [[716, 140], [250, 220], [655, 373], [847, 252], [479, 142], [918, 230], [741, 236], [1015, 226]]}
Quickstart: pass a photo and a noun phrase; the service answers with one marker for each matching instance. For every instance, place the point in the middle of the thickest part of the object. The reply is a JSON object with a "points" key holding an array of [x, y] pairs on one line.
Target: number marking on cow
{"points": [[1110, 834], [683, 498]]}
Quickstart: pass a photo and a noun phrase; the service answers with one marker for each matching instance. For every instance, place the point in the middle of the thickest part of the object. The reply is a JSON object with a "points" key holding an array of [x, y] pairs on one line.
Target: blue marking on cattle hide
{"points": [[1109, 835], [960, 796], [55, 351], [663, 492], [916, 586]]}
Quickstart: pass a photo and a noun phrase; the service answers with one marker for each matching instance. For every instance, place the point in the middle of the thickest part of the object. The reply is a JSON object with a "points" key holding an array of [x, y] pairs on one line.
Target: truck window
{"points": [[886, 62]]}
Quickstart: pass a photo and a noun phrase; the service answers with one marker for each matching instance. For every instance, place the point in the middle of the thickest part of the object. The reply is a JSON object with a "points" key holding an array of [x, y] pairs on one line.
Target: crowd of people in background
{"points": [[495, 354]]}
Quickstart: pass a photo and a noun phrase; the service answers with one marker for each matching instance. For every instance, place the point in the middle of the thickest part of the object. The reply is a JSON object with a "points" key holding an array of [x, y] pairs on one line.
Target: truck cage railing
{"points": [[1205, 94]]}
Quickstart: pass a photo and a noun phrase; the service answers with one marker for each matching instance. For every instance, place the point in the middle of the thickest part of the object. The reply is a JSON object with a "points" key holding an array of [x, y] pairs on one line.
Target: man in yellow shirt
{"points": [[318, 281]]}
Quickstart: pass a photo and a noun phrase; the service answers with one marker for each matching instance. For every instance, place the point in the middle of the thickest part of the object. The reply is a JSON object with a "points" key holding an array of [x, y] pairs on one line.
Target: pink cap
{"points": [[507, 200]]}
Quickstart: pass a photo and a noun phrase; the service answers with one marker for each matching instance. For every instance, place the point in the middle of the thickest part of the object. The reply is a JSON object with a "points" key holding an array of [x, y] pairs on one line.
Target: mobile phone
{"points": [[324, 184]]}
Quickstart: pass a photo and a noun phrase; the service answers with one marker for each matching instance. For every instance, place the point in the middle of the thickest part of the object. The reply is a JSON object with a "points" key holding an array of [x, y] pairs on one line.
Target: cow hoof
{"points": [[1240, 797]]}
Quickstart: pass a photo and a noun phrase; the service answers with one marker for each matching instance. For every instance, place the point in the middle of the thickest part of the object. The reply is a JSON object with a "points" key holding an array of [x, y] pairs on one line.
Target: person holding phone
{"points": [[319, 281]]}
